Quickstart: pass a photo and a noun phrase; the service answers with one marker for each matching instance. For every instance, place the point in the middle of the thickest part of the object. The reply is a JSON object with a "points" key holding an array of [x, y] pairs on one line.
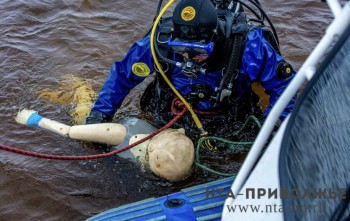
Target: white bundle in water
{"points": [[108, 133]]}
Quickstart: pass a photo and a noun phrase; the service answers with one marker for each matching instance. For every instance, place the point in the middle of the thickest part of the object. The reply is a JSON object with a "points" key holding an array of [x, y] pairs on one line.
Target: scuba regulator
{"points": [[191, 69], [189, 66]]}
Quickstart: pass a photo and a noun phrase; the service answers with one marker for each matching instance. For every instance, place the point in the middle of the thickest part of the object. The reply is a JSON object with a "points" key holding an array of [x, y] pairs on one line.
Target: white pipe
{"points": [[337, 27], [335, 7]]}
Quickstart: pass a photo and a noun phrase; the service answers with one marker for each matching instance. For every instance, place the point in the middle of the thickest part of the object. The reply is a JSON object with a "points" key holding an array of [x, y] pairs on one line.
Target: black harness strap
{"points": [[235, 44]]}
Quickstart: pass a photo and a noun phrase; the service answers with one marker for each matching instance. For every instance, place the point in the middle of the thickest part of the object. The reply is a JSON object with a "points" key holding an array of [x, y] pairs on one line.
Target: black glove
{"points": [[96, 117]]}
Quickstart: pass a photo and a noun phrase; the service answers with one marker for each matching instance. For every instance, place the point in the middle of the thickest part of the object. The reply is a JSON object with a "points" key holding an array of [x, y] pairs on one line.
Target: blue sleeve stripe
{"points": [[34, 120]]}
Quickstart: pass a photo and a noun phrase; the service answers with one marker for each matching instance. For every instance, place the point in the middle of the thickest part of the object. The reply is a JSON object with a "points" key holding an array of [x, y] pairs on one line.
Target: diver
{"points": [[212, 52]]}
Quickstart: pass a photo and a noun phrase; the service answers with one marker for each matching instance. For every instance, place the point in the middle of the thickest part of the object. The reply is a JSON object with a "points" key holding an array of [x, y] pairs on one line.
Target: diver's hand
{"points": [[96, 117]]}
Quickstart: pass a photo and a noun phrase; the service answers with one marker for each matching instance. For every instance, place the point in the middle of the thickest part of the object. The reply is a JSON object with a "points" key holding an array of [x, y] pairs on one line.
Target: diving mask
{"points": [[192, 47]]}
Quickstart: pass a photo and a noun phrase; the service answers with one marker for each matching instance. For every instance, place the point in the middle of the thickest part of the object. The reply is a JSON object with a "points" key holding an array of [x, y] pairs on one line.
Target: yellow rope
{"points": [[194, 116]]}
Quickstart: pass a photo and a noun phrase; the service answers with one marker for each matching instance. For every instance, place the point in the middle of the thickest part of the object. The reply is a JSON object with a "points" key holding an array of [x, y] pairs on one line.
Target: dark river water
{"points": [[43, 42]]}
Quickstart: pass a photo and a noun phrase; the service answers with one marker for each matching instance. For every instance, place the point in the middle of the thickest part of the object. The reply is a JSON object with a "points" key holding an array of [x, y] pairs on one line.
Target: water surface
{"points": [[44, 41]]}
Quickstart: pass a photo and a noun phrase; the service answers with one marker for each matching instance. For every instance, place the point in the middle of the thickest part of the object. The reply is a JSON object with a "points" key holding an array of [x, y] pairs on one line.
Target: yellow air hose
{"points": [[193, 114]]}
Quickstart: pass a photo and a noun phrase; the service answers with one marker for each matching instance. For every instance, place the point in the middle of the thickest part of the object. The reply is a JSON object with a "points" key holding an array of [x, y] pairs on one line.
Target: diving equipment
{"points": [[193, 47], [194, 20], [210, 27], [284, 70], [191, 69]]}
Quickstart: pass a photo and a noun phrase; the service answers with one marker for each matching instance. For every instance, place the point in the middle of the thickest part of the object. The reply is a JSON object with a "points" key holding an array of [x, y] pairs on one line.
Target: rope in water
{"points": [[243, 146], [89, 157], [239, 146]]}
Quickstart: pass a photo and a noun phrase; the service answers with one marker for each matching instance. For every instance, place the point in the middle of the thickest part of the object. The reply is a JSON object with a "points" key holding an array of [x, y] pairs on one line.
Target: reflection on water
{"points": [[44, 41]]}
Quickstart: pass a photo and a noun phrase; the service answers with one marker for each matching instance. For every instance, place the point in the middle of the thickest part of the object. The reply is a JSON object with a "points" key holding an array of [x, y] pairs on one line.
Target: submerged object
{"points": [[171, 154]]}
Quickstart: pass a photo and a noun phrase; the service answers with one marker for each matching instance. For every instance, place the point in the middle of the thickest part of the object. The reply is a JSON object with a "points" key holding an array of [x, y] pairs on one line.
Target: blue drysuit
{"points": [[259, 63]]}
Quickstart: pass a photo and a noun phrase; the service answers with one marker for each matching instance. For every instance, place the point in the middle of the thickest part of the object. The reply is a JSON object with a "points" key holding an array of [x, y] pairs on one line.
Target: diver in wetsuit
{"points": [[212, 53]]}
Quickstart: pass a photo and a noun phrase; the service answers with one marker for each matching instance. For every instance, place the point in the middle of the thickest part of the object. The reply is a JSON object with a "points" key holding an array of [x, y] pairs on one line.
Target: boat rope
{"points": [[89, 157], [235, 145]]}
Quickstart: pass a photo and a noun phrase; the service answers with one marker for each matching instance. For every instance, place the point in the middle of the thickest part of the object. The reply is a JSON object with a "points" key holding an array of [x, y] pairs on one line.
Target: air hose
{"points": [[193, 114], [239, 146]]}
